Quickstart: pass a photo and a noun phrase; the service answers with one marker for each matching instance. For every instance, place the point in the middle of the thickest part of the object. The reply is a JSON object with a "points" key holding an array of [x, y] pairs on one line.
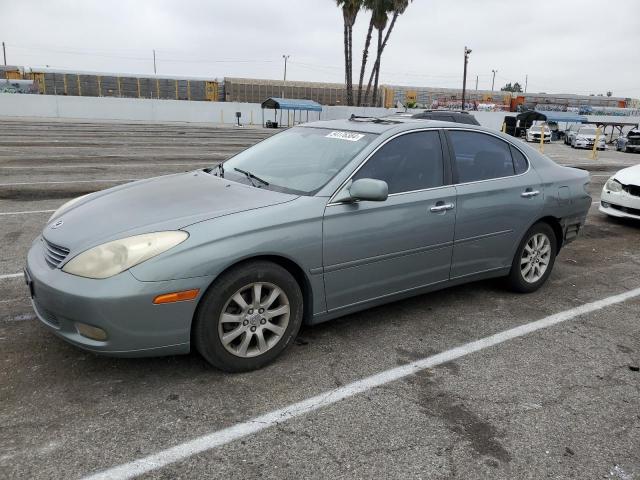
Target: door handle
{"points": [[530, 193], [442, 208]]}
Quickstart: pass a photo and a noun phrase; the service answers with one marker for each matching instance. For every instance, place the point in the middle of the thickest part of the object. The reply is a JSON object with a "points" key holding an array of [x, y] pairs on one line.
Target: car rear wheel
{"points": [[248, 317], [534, 259]]}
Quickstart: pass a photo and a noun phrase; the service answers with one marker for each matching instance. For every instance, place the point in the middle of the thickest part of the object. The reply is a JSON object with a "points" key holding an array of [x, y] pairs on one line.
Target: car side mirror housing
{"points": [[365, 189]]}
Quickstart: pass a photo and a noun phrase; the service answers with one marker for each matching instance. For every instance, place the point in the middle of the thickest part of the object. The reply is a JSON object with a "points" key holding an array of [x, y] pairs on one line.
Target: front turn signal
{"points": [[176, 297]]}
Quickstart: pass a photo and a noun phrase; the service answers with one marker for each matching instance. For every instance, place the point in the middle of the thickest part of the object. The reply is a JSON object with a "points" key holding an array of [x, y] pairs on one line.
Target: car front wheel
{"points": [[248, 317], [534, 259]]}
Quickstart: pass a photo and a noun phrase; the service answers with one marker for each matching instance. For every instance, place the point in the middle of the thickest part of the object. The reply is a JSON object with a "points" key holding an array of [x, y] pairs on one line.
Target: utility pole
{"points": [[526, 81], [467, 52], [284, 82], [154, 62], [493, 82], [4, 54]]}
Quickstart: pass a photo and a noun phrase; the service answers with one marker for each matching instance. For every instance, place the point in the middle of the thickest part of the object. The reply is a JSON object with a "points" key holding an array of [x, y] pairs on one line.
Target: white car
{"points": [[533, 134], [585, 137], [621, 194]]}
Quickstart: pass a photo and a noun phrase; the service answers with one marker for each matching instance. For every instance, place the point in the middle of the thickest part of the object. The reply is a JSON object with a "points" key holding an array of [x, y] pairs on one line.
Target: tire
{"points": [[522, 280], [276, 330]]}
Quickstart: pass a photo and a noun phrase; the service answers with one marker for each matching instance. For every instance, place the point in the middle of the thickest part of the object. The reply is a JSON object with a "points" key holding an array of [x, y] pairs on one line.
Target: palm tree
{"points": [[369, 5], [350, 9], [397, 8]]}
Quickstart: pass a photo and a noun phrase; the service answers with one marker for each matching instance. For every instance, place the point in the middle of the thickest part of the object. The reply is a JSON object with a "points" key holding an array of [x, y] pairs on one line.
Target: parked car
{"points": [[570, 133], [457, 116], [313, 223], [534, 132], [630, 142], [585, 137], [621, 194]]}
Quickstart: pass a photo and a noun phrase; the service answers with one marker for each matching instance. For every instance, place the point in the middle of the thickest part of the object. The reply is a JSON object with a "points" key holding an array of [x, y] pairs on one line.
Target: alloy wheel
{"points": [[254, 319], [535, 257]]}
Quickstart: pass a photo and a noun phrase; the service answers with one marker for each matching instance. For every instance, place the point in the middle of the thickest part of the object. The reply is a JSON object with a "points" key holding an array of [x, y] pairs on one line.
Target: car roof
{"points": [[388, 124]]}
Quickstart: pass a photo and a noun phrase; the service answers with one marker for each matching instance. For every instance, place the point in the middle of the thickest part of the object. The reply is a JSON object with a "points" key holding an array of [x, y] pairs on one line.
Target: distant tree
{"points": [[395, 8], [350, 9], [609, 93], [516, 87]]}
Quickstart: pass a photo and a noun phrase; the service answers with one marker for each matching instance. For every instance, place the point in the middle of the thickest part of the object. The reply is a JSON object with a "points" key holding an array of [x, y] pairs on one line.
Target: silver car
{"points": [[316, 222]]}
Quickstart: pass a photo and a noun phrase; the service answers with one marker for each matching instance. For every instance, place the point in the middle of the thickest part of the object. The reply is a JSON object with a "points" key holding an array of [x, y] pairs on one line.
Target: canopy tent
{"points": [[517, 126], [290, 104], [527, 118]]}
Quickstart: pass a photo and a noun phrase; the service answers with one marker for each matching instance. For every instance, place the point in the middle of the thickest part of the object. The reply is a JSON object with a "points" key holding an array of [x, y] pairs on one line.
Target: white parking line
{"points": [[111, 180], [235, 432], [26, 212], [110, 165], [10, 275]]}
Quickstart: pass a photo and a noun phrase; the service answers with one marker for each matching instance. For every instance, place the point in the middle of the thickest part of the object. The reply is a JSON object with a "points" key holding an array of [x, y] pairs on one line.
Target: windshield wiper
{"points": [[252, 177]]}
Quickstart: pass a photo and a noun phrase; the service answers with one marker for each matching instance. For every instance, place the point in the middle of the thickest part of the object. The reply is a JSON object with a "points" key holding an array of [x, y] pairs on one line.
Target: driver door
{"points": [[376, 249]]}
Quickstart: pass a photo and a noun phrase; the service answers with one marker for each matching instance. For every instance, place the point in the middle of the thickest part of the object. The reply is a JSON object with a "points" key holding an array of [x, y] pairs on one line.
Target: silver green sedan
{"points": [[316, 222]]}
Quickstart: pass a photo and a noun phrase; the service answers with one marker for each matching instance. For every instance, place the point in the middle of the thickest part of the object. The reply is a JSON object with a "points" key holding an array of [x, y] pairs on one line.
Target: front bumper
{"points": [[589, 144], [620, 204], [122, 306]]}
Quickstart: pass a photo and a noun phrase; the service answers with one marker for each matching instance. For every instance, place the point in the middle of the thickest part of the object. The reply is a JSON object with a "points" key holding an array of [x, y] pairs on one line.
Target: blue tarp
{"points": [[292, 104], [568, 117]]}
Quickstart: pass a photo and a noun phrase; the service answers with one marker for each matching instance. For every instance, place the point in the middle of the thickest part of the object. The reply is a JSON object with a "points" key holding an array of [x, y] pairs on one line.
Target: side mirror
{"points": [[367, 189]]}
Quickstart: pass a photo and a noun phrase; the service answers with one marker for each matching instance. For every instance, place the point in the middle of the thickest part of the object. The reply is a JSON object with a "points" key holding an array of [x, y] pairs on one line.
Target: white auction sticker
{"points": [[350, 136]]}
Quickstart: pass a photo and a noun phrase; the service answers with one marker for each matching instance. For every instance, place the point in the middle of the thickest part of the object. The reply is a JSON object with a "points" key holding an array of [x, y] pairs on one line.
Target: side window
{"points": [[409, 162], [520, 164], [479, 156]]}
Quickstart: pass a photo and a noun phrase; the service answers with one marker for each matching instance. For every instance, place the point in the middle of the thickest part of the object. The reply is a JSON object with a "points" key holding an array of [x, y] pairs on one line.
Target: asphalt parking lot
{"points": [[561, 402]]}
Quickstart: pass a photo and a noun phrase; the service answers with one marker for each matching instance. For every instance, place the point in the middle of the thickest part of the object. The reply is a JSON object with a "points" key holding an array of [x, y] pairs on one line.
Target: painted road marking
{"points": [[26, 212], [70, 181], [104, 165], [11, 275], [240, 430]]}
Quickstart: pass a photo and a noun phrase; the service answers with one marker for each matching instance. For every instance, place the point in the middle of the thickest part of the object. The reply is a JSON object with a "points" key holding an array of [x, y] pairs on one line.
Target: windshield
{"points": [[536, 128], [587, 131], [299, 160]]}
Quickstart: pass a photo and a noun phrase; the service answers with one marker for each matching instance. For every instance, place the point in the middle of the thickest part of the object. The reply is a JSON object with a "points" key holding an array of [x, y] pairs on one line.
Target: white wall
{"points": [[148, 110]]}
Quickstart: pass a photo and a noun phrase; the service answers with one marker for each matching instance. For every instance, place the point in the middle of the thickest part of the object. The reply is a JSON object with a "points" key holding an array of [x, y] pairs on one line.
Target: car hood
{"points": [[629, 176], [162, 203]]}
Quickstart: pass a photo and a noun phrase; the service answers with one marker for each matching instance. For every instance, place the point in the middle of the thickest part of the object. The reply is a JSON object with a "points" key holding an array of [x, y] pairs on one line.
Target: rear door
{"points": [[499, 196], [375, 249]]}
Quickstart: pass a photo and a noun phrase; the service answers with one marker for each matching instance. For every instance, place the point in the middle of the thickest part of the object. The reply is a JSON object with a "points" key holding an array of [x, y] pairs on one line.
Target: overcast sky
{"points": [[576, 46]]}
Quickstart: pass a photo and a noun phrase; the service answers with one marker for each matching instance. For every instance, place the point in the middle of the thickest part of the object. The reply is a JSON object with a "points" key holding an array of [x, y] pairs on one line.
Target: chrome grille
{"points": [[54, 254], [632, 190]]}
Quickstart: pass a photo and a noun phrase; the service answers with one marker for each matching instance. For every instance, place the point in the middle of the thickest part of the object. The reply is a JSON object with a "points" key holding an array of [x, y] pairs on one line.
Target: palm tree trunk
{"points": [[346, 57], [365, 54], [350, 69], [376, 66]]}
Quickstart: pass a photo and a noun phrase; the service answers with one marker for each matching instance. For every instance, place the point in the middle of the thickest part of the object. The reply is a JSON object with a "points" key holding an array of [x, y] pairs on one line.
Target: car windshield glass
{"points": [[587, 131], [299, 160]]}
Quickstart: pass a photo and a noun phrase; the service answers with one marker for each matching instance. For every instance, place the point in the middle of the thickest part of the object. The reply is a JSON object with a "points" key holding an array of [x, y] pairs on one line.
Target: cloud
{"points": [[563, 46]]}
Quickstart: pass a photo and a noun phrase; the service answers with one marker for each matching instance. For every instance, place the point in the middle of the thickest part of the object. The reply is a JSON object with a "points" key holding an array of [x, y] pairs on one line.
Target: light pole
{"points": [[493, 82], [284, 81], [467, 52], [154, 63]]}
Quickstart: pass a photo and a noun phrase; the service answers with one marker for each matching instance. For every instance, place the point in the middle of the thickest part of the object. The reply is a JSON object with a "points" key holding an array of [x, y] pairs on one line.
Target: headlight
{"points": [[111, 258], [65, 206], [613, 185]]}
